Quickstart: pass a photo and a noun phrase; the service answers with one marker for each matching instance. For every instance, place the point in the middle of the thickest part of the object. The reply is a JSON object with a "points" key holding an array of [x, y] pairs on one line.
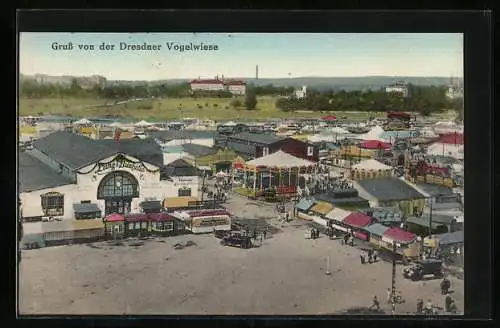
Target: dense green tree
{"points": [[250, 99]]}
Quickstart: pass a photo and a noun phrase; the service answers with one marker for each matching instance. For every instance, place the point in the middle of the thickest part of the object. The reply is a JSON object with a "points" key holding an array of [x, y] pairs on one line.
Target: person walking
{"points": [[362, 257], [370, 256], [375, 304], [420, 306], [265, 233], [389, 295], [445, 286], [429, 307], [447, 303], [375, 255]]}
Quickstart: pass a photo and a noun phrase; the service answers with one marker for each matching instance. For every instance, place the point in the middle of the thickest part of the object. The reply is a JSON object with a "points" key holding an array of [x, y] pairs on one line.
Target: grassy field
{"points": [[169, 108]]}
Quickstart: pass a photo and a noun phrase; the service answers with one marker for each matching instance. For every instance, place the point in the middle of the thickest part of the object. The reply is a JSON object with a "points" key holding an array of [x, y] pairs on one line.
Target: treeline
{"points": [[422, 99], [271, 90], [32, 89]]}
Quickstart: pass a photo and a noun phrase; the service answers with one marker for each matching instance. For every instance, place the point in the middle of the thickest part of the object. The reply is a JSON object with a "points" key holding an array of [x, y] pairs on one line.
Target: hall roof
{"points": [[35, 175], [76, 151]]}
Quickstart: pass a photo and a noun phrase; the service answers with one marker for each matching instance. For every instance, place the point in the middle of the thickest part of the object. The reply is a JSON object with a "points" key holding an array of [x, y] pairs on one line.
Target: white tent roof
{"points": [[445, 123], [371, 165], [338, 129], [373, 134], [83, 121], [449, 150], [115, 124], [280, 159], [324, 137], [230, 123], [337, 214], [143, 123]]}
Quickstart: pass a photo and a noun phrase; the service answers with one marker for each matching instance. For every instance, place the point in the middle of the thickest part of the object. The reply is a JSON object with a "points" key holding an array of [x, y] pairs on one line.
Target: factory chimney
{"points": [[257, 72]]}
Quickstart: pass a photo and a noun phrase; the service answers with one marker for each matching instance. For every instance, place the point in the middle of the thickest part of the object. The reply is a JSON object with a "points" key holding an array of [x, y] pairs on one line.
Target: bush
{"points": [[235, 103], [145, 106]]}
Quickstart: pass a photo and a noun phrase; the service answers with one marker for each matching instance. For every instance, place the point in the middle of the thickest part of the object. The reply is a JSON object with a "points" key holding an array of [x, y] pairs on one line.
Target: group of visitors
{"points": [[254, 234], [372, 256], [314, 233], [449, 303], [348, 239]]}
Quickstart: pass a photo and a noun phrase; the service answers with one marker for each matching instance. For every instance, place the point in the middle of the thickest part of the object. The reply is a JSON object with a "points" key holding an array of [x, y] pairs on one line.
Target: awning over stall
{"points": [[305, 204], [175, 202], [456, 237], [151, 206], [86, 208], [321, 208], [114, 218], [376, 229], [357, 219], [337, 214], [399, 236]]}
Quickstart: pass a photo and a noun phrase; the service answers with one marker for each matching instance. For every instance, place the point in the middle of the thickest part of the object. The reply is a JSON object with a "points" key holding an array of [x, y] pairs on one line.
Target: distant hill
{"points": [[320, 83], [66, 80]]}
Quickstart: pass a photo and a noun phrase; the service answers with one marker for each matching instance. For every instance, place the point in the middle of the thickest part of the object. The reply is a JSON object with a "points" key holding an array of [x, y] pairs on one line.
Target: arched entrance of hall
{"points": [[118, 188]]}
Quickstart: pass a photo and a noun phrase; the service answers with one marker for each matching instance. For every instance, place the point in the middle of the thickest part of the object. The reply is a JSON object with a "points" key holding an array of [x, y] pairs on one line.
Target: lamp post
{"points": [[393, 282], [430, 203], [203, 185]]}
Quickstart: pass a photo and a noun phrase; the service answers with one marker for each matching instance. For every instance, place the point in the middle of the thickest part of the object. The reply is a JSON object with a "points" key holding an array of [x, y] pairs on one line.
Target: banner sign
{"points": [[119, 162]]}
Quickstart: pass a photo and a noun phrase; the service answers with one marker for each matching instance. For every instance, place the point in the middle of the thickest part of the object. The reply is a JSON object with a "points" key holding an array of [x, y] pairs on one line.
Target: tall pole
{"points": [[203, 186], [430, 216], [393, 290]]}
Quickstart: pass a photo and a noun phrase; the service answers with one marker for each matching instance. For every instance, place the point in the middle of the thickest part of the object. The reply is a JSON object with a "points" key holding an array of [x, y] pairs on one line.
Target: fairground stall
{"points": [[204, 221], [356, 221], [407, 245], [40, 234], [370, 169], [279, 172]]}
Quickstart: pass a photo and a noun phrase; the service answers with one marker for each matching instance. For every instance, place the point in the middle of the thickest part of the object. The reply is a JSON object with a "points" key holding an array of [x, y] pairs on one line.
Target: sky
{"points": [[278, 55]]}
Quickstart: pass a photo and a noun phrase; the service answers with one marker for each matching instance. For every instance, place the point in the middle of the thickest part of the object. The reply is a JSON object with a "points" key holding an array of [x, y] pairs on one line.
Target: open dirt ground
{"points": [[285, 275]]}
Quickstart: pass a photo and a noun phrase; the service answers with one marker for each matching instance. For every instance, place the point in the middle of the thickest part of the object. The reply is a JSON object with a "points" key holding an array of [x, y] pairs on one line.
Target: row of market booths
{"points": [[362, 225], [162, 223], [167, 224]]}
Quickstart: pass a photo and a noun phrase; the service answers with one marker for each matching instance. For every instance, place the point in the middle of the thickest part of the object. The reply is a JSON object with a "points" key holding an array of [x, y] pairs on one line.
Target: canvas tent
{"points": [[280, 159], [371, 165], [83, 121], [374, 134], [142, 124]]}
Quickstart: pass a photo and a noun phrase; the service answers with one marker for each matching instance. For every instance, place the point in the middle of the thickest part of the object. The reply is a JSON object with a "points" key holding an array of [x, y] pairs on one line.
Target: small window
{"points": [[184, 192], [85, 202], [53, 204], [137, 225], [169, 226], [310, 151], [144, 225], [130, 226], [153, 225]]}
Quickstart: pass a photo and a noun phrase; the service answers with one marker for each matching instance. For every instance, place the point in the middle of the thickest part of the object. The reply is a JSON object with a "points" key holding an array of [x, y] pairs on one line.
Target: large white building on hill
{"points": [[236, 87], [399, 87]]}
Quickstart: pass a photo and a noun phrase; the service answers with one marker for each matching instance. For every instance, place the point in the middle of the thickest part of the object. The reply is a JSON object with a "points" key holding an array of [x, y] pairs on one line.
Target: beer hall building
{"points": [[69, 176]]}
